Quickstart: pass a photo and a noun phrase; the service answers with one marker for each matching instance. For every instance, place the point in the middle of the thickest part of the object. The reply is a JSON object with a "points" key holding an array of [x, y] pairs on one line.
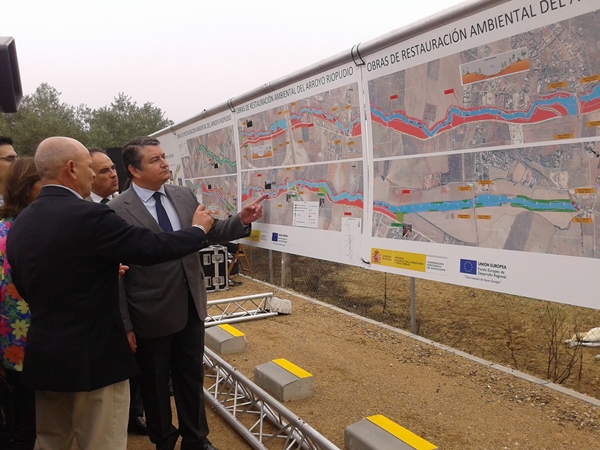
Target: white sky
{"points": [[188, 55]]}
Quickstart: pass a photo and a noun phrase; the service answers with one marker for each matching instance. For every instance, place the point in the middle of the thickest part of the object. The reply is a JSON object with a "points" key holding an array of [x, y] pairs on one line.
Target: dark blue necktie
{"points": [[163, 218]]}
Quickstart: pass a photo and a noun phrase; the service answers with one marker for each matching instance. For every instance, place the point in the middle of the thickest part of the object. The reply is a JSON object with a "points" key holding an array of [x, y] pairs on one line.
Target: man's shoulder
{"points": [[177, 188], [67, 210], [181, 192], [123, 198]]}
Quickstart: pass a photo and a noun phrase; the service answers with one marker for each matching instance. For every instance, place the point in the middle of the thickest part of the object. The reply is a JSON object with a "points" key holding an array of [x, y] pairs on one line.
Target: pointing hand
{"points": [[252, 211]]}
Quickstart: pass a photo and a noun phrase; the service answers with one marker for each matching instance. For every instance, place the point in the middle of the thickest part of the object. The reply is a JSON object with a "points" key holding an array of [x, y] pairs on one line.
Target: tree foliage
{"points": [[114, 125], [42, 115]]}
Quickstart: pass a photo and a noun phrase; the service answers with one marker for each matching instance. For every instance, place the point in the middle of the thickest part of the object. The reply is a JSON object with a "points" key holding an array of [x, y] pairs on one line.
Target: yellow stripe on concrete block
{"points": [[292, 368], [410, 438], [233, 331]]}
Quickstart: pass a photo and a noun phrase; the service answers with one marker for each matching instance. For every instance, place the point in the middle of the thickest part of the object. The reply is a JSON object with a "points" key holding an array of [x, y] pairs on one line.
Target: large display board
{"points": [[468, 154], [304, 146]]}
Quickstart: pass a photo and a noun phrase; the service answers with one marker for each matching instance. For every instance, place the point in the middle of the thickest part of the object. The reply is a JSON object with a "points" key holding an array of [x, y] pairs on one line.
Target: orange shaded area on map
{"points": [[515, 67]]}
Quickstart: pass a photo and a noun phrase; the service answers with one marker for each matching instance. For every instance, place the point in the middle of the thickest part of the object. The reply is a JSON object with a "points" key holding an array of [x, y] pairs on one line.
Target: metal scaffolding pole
{"points": [[249, 307], [257, 416]]}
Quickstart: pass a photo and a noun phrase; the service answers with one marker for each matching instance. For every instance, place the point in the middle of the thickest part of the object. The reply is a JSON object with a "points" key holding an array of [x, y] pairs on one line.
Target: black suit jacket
{"points": [[65, 254]]}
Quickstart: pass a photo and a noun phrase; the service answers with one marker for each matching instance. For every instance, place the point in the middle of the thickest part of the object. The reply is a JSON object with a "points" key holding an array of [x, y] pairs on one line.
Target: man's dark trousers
{"points": [[175, 355]]}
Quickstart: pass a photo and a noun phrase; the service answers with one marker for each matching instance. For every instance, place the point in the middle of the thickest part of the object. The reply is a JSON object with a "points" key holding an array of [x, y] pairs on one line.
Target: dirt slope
{"points": [[362, 369]]}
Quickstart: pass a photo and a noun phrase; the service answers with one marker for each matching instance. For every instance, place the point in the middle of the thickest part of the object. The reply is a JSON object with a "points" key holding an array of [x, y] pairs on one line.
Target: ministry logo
{"points": [[468, 266]]}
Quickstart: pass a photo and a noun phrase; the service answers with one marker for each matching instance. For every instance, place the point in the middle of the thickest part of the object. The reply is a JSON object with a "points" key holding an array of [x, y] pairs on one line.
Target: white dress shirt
{"points": [[145, 196]]}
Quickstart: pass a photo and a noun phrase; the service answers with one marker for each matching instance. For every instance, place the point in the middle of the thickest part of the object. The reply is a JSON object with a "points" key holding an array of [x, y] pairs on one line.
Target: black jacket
{"points": [[65, 254]]}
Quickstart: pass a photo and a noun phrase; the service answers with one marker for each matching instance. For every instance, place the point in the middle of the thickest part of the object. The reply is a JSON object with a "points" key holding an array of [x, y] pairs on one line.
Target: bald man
{"points": [[65, 254]]}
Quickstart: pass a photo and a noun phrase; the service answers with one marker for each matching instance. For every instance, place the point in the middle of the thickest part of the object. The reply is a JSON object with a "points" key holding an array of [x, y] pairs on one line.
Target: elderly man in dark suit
{"points": [[65, 255], [166, 303]]}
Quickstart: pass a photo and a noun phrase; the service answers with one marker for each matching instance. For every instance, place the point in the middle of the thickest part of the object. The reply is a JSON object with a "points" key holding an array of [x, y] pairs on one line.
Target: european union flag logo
{"points": [[468, 266], [274, 237]]}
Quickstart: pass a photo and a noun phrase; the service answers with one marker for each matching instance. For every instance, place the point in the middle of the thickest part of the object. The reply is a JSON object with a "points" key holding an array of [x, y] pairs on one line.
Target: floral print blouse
{"points": [[14, 312]]}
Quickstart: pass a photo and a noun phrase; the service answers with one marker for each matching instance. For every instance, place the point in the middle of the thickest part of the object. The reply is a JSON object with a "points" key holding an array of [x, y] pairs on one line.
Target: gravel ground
{"points": [[361, 369]]}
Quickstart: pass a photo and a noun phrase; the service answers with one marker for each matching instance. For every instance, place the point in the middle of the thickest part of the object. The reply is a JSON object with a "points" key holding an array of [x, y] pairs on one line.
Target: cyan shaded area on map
{"points": [[482, 201], [321, 187], [282, 125], [214, 156], [558, 104]]}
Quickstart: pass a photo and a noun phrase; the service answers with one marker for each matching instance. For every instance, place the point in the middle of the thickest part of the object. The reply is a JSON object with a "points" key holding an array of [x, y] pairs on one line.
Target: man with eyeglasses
{"points": [[7, 157]]}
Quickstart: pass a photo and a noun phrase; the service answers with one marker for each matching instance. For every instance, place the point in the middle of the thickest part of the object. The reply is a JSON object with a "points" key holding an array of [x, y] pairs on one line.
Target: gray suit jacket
{"points": [[154, 299]]}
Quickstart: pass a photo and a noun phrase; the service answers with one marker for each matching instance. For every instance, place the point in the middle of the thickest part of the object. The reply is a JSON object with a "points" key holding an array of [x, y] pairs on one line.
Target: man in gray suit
{"points": [[164, 306]]}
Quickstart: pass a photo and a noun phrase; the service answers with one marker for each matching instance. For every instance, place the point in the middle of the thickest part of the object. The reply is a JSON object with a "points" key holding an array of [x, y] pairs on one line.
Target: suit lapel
{"points": [[138, 211], [180, 205]]}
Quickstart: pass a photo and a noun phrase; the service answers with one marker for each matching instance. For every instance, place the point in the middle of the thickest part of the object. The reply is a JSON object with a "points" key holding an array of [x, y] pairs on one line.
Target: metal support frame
{"points": [[258, 417], [240, 309], [413, 306]]}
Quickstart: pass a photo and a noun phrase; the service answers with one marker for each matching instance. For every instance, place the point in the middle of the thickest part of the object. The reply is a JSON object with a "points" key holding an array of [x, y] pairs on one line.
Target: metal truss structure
{"points": [[249, 307], [258, 417]]}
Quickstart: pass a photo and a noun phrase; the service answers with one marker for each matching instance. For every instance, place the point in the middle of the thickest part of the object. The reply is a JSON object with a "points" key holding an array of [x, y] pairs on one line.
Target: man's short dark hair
{"points": [[5, 140], [93, 150], [131, 152]]}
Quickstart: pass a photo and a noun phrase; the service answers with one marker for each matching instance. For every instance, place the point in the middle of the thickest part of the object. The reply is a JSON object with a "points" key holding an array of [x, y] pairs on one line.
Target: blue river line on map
{"points": [[481, 201], [282, 124], [224, 160], [569, 103], [292, 186]]}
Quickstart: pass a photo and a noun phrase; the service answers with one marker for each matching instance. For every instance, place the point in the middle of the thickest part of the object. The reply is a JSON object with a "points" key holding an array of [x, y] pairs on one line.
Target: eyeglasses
{"points": [[10, 158]]}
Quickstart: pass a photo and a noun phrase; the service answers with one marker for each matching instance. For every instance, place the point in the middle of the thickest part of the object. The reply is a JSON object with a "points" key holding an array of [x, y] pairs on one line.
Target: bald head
{"points": [[65, 161], [53, 154]]}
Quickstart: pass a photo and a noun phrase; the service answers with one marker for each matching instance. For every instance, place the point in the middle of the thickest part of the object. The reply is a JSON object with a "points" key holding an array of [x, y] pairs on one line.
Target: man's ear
{"points": [[71, 168], [135, 173]]}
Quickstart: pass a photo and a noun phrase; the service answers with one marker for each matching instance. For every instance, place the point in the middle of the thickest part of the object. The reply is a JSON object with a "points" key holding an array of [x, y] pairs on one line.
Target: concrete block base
{"points": [[279, 305], [283, 380], [380, 433], [225, 339]]}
